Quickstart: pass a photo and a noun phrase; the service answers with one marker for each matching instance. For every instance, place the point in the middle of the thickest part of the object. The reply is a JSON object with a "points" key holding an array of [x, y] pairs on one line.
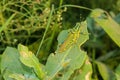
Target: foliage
{"points": [[112, 29], [65, 64], [89, 50]]}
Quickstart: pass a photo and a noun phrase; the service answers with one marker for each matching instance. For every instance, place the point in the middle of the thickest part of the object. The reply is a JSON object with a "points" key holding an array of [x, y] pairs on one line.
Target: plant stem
{"points": [[48, 24], [61, 1], [93, 60], [76, 6]]}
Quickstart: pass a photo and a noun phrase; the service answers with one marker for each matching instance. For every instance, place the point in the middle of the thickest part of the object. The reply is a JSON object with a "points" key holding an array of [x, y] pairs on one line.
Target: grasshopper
{"points": [[71, 39]]}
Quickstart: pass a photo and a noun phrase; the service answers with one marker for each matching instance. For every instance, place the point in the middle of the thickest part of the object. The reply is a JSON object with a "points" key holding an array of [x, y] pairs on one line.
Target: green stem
{"points": [[61, 1], [48, 24], [93, 60], [7, 22], [76, 6], [51, 38]]}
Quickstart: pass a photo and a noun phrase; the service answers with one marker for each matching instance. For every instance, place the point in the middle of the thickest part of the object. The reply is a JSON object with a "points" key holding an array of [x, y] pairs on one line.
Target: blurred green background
{"points": [[25, 21]]}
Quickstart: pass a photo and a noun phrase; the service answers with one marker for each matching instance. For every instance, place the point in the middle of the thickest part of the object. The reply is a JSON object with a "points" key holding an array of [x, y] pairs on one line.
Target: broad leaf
{"points": [[65, 61], [10, 64], [111, 27], [22, 77], [30, 60], [84, 73], [105, 72], [117, 72], [17, 77], [76, 59], [55, 63]]}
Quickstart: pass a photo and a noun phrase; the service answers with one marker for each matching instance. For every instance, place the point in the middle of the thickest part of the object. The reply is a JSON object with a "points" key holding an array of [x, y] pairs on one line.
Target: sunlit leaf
{"points": [[107, 23], [17, 77], [75, 62], [105, 72], [22, 77], [11, 64], [117, 72], [30, 60], [65, 63], [84, 73], [69, 57]]}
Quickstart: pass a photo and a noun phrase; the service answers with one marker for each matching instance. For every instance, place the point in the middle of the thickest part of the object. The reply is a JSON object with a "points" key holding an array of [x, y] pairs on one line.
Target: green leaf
{"points": [[72, 57], [30, 60], [105, 72], [84, 73], [10, 64], [22, 77], [68, 61], [117, 72], [17, 77], [107, 23], [77, 59], [55, 63]]}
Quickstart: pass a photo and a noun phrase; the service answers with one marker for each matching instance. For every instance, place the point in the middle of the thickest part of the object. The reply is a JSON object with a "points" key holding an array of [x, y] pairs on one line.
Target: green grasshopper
{"points": [[71, 39]]}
